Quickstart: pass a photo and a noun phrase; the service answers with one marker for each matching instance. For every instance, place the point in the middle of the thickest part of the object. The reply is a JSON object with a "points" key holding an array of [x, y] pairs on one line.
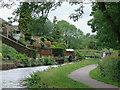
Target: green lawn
{"points": [[95, 74], [58, 77]]}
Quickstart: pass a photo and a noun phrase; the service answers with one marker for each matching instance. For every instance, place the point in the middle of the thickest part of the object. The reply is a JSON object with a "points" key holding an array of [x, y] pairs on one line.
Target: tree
{"points": [[36, 27], [71, 35], [56, 34], [106, 23]]}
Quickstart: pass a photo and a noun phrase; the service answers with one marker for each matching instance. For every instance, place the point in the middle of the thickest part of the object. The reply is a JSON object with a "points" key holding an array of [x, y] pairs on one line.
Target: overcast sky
{"points": [[62, 13]]}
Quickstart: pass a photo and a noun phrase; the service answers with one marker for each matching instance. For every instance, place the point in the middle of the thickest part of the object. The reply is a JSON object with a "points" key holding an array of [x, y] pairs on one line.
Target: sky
{"points": [[62, 13]]}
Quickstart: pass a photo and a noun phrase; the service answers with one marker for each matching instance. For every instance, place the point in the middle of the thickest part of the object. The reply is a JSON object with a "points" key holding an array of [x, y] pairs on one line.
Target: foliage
{"points": [[54, 43], [33, 62], [47, 60], [21, 39], [8, 52], [70, 34], [80, 56], [57, 51], [63, 45], [105, 19], [58, 77], [35, 54], [34, 81], [23, 59], [37, 28], [48, 43], [95, 74], [109, 67], [90, 53]]}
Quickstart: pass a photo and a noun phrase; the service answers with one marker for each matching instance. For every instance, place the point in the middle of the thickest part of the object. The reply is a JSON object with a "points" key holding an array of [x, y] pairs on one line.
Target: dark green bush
{"points": [[110, 67], [119, 53], [8, 52], [35, 54], [57, 51]]}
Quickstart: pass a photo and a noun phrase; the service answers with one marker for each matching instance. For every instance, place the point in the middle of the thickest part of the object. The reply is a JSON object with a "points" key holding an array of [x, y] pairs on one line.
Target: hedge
{"points": [[57, 51]]}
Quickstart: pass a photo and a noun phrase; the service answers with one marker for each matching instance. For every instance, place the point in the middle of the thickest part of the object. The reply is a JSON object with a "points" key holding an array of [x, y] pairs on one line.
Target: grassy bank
{"points": [[95, 74], [58, 77]]}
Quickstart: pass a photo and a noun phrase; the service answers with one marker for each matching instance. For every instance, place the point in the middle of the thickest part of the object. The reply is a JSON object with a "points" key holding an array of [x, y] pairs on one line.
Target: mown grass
{"points": [[58, 77], [95, 74]]}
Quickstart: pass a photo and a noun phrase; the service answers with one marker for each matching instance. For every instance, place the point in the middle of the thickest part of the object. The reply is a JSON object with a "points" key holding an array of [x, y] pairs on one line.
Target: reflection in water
{"points": [[14, 78]]}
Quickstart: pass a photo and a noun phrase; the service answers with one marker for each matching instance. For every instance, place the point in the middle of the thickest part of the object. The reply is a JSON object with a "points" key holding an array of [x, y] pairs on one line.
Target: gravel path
{"points": [[82, 75]]}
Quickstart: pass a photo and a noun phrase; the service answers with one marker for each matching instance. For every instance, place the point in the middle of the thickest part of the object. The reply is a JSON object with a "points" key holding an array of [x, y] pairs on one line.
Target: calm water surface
{"points": [[14, 78]]}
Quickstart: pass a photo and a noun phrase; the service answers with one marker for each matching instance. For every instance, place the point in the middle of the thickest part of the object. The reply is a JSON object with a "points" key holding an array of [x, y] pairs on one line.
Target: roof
{"points": [[70, 50]]}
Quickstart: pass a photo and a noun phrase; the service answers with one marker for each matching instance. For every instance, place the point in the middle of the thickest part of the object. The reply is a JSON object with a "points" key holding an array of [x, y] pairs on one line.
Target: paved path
{"points": [[82, 75]]}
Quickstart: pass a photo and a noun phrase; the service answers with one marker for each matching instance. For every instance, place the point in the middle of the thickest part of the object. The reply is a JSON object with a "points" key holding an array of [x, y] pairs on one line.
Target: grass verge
{"points": [[95, 74], [58, 77]]}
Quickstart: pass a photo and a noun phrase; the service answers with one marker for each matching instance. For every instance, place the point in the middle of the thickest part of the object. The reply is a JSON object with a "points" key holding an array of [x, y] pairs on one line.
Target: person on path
{"points": [[108, 53], [103, 54]]}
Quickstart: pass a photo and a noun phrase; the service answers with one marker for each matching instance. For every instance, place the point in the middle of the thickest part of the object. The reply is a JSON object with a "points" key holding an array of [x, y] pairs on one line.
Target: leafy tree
{"points": [[56, 34], [106, 23], [38, 29]]}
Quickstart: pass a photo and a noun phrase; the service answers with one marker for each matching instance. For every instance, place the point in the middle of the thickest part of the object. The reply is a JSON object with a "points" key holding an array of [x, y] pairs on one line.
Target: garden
{"points": [[46, 39]]}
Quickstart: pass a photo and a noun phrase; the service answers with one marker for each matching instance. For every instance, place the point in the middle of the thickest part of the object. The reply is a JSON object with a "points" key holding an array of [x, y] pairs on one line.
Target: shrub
{"points": [[54, 43], [34, 81], [43, 39], [47, 60], [110, 67], [119, 53], [35, 54], [51, 39], [48, 43], [23, 59], [80, 56], [63, 45], [33, 62], [57, 51], [8, 52]]}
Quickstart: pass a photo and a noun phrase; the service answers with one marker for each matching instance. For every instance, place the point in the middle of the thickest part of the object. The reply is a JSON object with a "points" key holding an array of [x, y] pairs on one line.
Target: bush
{"points": [[110, 67], [80, 56], [8, 52], [57, 51], [54, 43], [43, 39], [119, 53], [34, 81], [48, 43], [47, 60], [23, 59], [33, 62], [63, 45], [35, 54]]}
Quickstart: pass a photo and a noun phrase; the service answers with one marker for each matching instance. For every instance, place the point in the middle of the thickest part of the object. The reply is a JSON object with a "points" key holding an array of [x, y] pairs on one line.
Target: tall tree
{"points": [[106, 19]]}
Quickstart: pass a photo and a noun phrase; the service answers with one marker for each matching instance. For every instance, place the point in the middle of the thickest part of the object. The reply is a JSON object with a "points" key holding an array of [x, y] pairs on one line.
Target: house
{"points": [[9, 29]]}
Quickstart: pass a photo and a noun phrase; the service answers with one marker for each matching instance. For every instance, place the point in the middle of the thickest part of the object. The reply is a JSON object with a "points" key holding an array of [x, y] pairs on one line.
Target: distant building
{"points": [[7, 29]]}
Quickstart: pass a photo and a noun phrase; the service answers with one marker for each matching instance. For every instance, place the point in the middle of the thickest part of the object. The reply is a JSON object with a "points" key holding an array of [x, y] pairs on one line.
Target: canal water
{"points": [[14, 78]]}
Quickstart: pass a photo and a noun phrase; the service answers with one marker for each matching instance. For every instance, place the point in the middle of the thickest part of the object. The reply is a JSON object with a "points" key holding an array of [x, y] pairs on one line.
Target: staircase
{"points": [[20, 47]]}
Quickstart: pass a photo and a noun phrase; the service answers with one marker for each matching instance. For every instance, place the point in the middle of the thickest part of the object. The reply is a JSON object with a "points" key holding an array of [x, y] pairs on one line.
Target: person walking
{"points": [[103, 54], [108, 53]]}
